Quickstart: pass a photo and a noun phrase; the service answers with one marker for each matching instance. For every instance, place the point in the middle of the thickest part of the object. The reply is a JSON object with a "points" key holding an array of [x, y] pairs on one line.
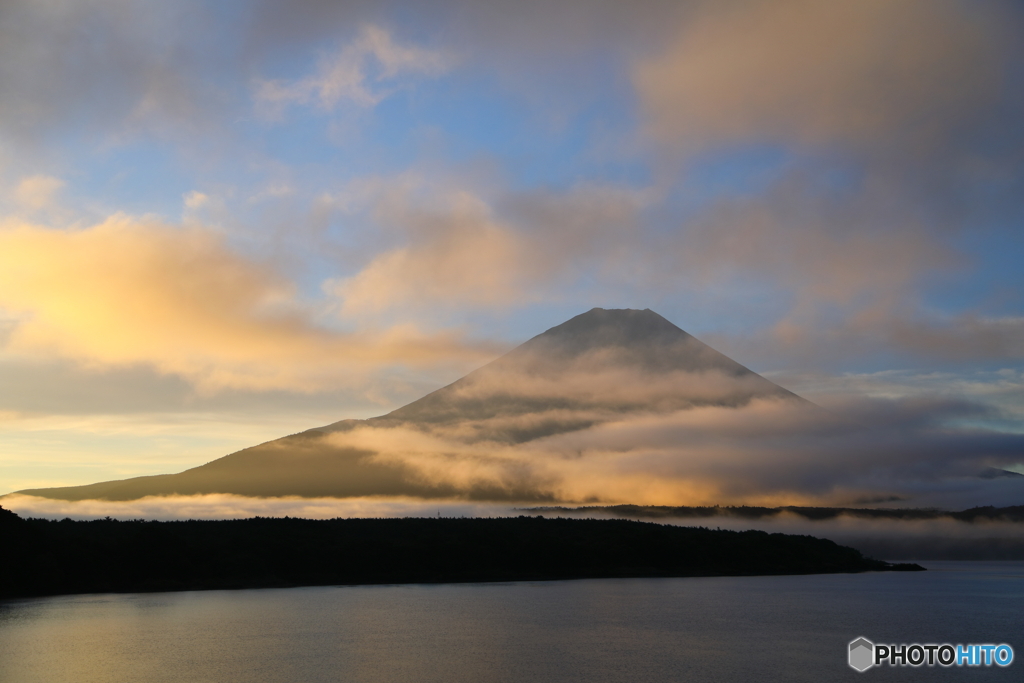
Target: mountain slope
{"points": [[596, 359], [598, 368]]}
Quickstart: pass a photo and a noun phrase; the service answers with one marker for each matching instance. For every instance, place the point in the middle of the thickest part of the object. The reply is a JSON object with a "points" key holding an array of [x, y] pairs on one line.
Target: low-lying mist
{"points": [[887, 539]]}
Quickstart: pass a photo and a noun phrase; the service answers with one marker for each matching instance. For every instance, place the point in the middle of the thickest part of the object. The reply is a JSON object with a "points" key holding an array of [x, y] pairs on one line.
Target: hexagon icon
{"points": [[862, 654]]}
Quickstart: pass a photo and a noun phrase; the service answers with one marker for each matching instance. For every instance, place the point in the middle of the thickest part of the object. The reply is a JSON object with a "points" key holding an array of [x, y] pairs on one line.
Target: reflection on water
{"points": [[790, 628]]}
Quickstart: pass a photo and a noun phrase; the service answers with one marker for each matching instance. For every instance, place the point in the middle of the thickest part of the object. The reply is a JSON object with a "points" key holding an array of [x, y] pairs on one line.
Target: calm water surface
{"points": [[789, 628]]}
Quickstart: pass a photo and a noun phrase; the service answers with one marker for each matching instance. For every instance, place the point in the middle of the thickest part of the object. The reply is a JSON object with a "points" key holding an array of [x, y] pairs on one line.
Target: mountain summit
{"points": [[620, 360], [488, 435]]}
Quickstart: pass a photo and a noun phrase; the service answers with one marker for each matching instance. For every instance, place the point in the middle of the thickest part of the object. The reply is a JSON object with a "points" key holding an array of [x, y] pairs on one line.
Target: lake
{"points": [[776, 628]]}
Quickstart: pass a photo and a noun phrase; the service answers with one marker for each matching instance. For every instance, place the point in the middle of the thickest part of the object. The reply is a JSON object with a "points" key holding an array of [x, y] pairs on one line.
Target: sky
{"points": [[221, 223]]}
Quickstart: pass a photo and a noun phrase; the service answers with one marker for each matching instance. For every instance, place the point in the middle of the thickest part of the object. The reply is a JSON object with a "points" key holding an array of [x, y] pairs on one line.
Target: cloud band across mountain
{"points": [[615, 406]]}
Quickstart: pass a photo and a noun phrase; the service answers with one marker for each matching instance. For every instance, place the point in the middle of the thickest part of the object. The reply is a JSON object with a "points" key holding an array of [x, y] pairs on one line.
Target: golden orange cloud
{"points": [[135, 290], [458, 254]]}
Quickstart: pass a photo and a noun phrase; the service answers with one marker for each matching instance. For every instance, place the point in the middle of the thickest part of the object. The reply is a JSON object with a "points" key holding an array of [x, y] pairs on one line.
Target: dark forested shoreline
{"points": [[46, 557], [977, 514]]}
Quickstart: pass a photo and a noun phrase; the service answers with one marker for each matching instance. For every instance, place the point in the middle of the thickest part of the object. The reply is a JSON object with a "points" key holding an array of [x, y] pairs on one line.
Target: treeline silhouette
{"points": [[987, 513], [46, 557]]}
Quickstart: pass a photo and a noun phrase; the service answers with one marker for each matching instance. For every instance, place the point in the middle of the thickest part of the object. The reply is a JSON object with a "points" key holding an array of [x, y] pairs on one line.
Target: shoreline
{"points": [[111, 556]]}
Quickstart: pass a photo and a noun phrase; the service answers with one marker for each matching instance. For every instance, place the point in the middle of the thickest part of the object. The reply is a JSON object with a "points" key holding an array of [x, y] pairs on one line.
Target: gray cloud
{"points": [[107, 67], [916, 147], [866, 74]]}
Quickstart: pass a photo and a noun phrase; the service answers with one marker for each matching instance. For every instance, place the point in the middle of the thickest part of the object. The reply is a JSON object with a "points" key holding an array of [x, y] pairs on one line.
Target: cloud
{"points": [[765, 452], [859, 74], [887, 118], [113, 71], [653, 436], [896, 80], [38, 191], [612, 430], [892, 327], [842, 271], [883, 116], [220, 506], [136, 291], [824, 249], [762, 453], [962, 337], [982, 399], [847, 271], [195, 200], [941, 539], [444, 242], [893, 137], [457, 255], [373, 57], [584, 381]]}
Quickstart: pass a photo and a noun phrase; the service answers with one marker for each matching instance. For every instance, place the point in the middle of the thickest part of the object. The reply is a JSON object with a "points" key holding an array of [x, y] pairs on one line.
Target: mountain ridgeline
{"points": [[596, 368]]}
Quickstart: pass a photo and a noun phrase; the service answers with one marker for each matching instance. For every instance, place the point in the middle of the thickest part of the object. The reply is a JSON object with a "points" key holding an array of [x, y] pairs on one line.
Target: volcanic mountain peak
{"points": [[617, 337], [601, 367], [601, 327], [617, 360]]}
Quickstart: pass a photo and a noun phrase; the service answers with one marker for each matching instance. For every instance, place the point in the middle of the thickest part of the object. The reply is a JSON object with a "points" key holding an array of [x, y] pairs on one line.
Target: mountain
{"points": [[602, 359], [598, 368]]}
